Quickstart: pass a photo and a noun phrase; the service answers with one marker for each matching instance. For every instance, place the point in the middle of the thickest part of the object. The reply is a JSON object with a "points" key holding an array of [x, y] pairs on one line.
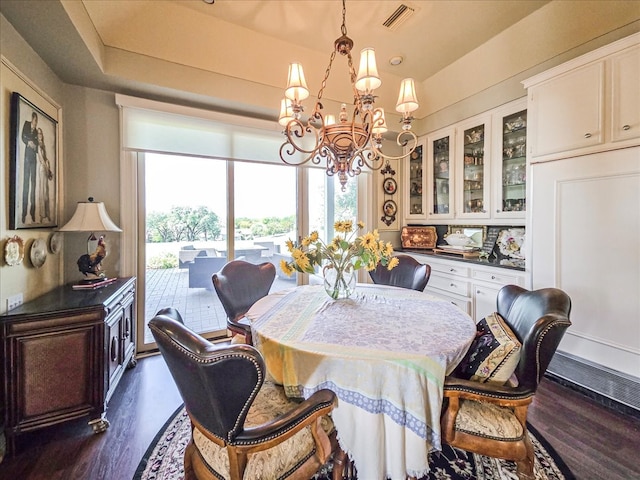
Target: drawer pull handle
{"points": [[127, 329], [626, 127], [493, 277], [587, 135], [114, 346]]}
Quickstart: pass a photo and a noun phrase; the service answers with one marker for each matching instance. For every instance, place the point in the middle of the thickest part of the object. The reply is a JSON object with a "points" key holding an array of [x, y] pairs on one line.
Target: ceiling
{"points": [[237, 51]]}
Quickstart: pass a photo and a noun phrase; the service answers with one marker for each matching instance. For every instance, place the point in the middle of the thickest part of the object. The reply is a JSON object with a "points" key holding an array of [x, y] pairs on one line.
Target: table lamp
{"points": [[91, 217]]}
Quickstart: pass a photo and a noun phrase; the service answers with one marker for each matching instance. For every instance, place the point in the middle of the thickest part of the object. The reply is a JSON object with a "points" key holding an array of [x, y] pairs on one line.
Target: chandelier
{"points": [[346, 145]]}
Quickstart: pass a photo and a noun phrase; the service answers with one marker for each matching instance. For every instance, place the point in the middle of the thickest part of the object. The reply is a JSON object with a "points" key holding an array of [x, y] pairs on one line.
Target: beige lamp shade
{"points": [[368, 79], [286, 112], [296, 85], [90, 217], [407, 99]]}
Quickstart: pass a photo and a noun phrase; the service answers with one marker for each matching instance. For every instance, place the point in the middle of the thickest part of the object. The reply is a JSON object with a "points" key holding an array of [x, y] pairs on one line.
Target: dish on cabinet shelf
{"points": [[510, 243], [14, 251], [38, 253]]}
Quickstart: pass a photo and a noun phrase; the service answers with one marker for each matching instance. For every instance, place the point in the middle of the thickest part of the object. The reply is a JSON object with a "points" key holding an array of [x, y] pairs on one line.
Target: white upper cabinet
{"points": [[566, 113], [625, 95], [587, 105]]}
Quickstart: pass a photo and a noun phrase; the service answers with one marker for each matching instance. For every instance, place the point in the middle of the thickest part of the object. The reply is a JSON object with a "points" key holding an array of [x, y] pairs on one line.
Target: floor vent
{"points": [[609, 384], [398, 17]]}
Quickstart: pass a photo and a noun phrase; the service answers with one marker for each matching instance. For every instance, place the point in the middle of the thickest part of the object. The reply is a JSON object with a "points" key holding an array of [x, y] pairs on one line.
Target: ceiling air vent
{"points": [[398, 17]]}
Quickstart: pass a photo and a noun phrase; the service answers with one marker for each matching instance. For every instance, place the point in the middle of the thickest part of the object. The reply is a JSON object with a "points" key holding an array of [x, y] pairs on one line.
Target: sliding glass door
{"points": [[188, 202]]}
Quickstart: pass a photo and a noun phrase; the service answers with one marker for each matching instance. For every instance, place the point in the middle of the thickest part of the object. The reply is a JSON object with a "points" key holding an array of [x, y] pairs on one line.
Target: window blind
{"points": [[165, 128]]}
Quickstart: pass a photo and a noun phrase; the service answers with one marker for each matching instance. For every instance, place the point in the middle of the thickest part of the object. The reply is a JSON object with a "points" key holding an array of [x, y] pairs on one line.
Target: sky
{"points": [[265, 190]]}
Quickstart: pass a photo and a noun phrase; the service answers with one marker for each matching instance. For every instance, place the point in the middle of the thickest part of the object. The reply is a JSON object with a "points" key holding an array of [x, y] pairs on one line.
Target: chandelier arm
{"points": [[399, 143]]}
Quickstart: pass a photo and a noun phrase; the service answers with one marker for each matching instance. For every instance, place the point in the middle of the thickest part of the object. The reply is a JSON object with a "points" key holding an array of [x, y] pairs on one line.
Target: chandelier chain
{"points": [[343, 29], [326, 75]]}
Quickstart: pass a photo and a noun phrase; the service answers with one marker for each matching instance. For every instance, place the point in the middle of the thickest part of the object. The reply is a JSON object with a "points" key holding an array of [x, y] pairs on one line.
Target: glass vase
{"points": [[339, 281]]}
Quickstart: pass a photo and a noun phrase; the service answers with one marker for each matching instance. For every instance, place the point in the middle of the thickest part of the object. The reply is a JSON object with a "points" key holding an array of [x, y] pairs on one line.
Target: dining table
{"points": [[385, 352]]}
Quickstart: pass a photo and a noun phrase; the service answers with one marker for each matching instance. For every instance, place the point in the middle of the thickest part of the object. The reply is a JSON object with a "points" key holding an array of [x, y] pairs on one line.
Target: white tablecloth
{"points": [[384, 352]]}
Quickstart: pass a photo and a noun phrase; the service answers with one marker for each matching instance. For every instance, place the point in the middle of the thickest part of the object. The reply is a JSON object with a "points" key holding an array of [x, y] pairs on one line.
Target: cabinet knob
{"points": [[626, 127], [452, 285], [452, 269], [478, 292], [493, 277], [498, 210], [587, 135]]}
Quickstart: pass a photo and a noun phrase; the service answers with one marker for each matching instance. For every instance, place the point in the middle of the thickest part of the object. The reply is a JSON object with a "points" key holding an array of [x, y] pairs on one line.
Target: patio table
{"points": [[384, 352]]}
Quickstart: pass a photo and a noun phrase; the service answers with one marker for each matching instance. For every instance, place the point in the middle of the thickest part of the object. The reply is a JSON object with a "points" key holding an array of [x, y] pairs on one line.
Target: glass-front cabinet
{"points": [[473, 187], [440, 175], [511, 161], [415, 191], [473, 170]]}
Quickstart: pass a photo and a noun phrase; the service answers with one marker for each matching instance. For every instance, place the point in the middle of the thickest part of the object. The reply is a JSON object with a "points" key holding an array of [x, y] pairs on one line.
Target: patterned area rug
{"points": [[163, 460]]}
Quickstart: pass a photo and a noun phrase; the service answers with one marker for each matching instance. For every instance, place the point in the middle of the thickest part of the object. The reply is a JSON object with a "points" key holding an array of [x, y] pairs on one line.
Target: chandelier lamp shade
{"points": [[346, 145]]}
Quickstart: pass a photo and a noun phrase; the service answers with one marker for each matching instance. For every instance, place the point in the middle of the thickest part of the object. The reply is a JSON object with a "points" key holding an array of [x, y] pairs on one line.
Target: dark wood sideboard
{"points": [[63, 355]]}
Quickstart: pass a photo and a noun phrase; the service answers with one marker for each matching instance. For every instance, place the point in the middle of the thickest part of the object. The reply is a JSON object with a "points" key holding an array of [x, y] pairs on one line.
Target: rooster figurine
{"points": [[90, 264]]}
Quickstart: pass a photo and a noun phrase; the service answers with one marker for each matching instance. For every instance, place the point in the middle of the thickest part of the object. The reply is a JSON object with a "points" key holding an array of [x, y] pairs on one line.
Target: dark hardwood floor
{"points": [[595, 442]]}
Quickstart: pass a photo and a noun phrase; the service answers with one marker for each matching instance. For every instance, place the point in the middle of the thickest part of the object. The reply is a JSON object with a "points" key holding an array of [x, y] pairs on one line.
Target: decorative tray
{"points": [[473, 253], [419, 237]]}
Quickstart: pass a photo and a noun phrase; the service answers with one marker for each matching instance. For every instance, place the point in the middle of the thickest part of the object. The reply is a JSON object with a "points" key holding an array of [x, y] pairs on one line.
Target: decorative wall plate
{"points": [[38, 253], [390, 208], [55, 242], [14, 251], [389, 186]]}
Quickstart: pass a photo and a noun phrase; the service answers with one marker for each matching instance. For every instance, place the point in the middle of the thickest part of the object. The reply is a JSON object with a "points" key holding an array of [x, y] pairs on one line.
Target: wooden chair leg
{"points": [[189, 473], [525, 467], [339, 460]]}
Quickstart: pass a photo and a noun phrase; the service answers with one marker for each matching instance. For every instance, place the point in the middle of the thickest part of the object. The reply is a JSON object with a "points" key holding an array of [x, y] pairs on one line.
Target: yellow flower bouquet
{"points": [[340, 258]]}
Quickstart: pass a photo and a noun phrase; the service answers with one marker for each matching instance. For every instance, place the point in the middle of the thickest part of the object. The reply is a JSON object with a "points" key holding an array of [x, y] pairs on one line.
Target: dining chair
{"points": [[239, 285], [243, 426], [490, 418], [409, 273]]}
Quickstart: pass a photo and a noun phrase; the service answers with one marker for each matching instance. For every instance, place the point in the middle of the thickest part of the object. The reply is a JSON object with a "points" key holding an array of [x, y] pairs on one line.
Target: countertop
{"points": [[491, 262]]}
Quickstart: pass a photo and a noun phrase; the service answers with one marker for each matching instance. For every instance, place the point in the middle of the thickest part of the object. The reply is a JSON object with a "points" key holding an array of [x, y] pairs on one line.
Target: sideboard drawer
{"points": [[450, 269], [496, 277], [448, 284]]}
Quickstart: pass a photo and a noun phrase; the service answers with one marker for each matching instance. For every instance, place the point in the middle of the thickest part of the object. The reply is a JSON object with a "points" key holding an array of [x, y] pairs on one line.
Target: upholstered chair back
{"points": [[539, 319], [240, 284], [409, 274], [217, 383]]}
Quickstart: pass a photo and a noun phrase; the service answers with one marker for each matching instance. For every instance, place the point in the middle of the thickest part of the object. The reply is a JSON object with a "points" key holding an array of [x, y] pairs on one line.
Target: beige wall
{"points": [[92, 169], [24, 72]]}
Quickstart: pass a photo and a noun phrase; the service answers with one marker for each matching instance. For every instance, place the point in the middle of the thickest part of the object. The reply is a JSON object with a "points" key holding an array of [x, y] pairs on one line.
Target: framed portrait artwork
{"points": [[33, 169]]}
